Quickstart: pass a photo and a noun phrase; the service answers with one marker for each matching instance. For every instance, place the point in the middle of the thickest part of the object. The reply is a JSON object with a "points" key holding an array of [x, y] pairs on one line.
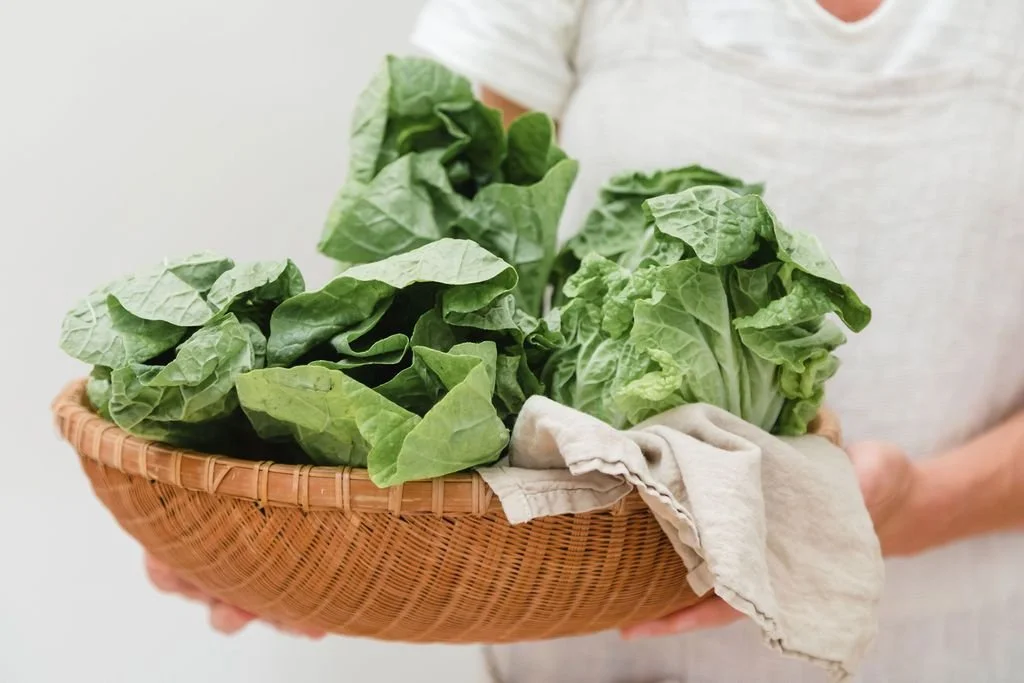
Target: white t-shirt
{"points": [[899, 140]]}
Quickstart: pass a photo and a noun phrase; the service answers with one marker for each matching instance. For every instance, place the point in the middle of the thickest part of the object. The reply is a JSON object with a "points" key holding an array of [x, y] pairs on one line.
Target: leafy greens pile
{"points": [[682, 286], [409, 366], [413, 366]]}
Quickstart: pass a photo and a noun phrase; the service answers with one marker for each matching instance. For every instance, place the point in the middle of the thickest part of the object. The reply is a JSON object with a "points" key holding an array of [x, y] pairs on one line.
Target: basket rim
{"points": [[309, 487]]}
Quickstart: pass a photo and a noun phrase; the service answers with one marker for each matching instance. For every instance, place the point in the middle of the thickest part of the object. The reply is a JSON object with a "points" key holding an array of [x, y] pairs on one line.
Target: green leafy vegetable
{"points": [[100, 331], [408, 366], [335, 419], [430, 161], [253, 284], [339, 421], [616, 225], [725, 306], [196, 387], [521, 224], [466, 277], [168, 342], [414, 362], [97, 390]]}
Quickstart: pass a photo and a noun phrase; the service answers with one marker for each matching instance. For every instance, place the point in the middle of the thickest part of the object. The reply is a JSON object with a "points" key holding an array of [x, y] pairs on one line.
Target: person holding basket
{"points": [[896, 128]]}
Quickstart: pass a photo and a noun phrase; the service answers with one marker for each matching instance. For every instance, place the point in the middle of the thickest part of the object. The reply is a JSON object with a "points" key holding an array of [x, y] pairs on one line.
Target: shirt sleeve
{"points": [[521, 49]]}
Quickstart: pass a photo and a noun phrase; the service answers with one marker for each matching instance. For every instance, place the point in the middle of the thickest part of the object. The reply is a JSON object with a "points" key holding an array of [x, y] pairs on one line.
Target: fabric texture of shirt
{"points": [[899, 141]]}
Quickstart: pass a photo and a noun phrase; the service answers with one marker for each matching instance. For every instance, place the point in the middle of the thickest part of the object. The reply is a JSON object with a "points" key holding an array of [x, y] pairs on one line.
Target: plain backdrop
{"points": [[131, 131]]}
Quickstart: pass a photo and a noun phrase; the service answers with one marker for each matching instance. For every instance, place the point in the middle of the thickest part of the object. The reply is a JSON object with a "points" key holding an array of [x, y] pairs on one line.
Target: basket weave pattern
{"points": [[322, 547]]}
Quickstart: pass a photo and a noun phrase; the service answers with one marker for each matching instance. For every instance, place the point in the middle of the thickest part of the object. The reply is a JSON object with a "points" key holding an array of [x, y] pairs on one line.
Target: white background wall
{"points": [[130, 131]]}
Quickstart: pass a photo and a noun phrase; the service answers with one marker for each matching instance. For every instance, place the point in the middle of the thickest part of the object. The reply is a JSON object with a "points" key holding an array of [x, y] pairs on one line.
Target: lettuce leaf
{"points": [[719, 304], [617, 224]]}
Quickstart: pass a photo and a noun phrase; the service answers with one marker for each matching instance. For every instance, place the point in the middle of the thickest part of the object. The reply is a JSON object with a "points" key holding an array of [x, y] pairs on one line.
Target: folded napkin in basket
{"points": [[775, 526]]}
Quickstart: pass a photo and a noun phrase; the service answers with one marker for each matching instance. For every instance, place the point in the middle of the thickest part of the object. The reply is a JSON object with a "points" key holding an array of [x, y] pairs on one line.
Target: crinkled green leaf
{"points": [[805, 252], [332, 417], [446, 369], [410, 390], [418, 388], [462, 430], [337, 420], [520, 224], [303, 322], [418, 85], [408, 204], [725, 228], [432, 330], [398, 105], [711, 308], [197, 386], [710, 220], [508, 391], [258, 342], [465, 276], [691, 320], [99, 331], [654, 250], [805, 389], [365, 344], [483, 146], [199, 270], [389, 350], [429, 161], [254, 283], [160, 294], [475, 277], [617, 222], [369, 123], [498, 316], [643, 394], [671, 181], [140, 316]]}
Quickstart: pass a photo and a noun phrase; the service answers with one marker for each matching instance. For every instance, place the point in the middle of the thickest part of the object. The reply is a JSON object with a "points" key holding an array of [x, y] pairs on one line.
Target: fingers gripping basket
{"points": [[322, 547]]}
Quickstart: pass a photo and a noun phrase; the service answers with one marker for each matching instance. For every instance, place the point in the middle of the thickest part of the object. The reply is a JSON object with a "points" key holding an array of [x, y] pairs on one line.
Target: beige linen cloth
{"points": [[775, 526]]}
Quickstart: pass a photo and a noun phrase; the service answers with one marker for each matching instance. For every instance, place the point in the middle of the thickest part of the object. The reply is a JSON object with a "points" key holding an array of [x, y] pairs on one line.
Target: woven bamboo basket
{"points": [[431, 561]]}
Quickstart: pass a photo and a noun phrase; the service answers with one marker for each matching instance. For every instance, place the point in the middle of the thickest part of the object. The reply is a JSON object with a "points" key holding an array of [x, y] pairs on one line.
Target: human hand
{"points": [[890, 484], [223, 617]]}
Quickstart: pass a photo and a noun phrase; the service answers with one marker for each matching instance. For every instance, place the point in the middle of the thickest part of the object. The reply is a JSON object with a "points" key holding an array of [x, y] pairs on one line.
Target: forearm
{"points": [[972, 490]]}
